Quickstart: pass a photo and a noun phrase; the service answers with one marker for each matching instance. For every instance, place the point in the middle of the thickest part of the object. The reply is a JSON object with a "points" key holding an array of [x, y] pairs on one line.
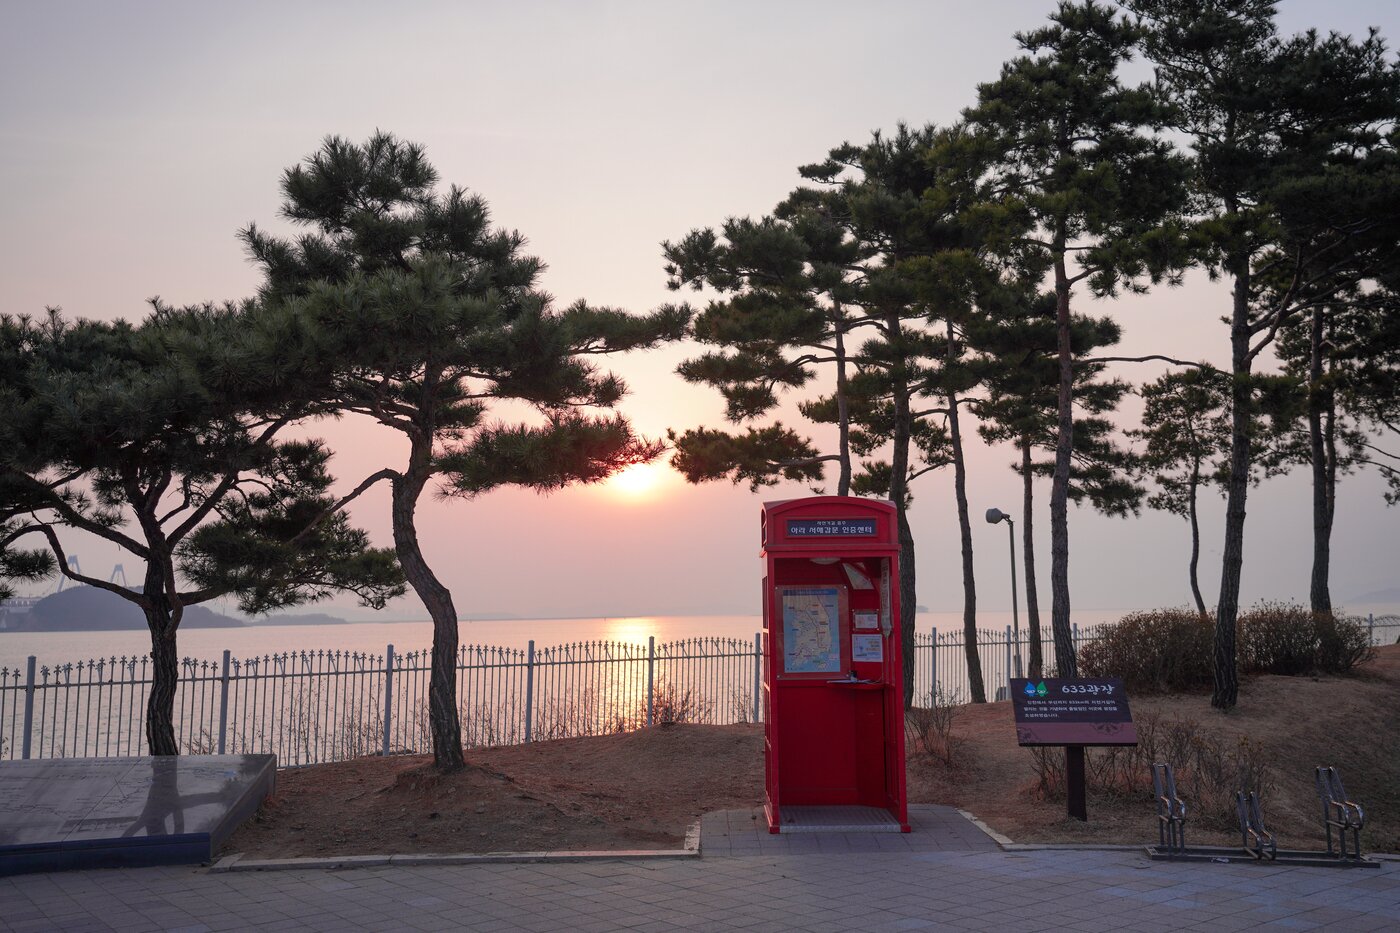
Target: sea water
{"points": [[208, 644]]}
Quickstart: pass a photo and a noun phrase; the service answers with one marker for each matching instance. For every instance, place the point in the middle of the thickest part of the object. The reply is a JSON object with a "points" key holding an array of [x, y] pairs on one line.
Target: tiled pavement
{"points": [[917, 887], [936, 829]]}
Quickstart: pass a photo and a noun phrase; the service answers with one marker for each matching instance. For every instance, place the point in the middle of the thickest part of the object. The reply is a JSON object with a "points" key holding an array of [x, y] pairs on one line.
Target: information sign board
{"points": [[1083, 711], [830, 527]]}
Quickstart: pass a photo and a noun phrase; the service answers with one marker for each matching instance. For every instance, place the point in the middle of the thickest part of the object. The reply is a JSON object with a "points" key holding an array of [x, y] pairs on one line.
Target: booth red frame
{"points": [[833, 739]]}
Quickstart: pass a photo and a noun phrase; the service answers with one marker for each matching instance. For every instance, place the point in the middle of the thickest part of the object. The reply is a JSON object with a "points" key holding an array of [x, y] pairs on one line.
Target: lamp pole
{"points": [[994, 516]]}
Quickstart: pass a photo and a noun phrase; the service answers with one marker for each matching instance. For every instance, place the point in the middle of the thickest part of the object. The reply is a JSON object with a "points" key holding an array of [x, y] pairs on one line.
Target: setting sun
{"points": [[638, 480]]}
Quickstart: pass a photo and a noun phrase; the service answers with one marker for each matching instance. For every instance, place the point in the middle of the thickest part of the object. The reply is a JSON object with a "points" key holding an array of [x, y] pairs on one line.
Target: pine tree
{"points": [[1077, 153], [905, 198], [165, 439], [824, 266], [1021, 407], [423, 315], [1345, 354], [783, 283], [1186, 432], [1294, 196]]}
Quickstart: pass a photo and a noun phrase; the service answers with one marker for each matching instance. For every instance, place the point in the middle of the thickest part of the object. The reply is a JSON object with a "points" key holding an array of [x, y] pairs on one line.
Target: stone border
{"points": [[237, 862], [998, 838], [1008, 846]]}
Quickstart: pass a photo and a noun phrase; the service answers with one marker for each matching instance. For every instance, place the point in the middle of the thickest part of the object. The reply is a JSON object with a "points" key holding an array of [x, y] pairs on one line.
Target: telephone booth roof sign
{"points": [[825, 522]]}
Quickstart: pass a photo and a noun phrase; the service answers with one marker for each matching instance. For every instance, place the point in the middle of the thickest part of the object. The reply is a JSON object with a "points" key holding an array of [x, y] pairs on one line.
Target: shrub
{"points": [[671, 703], [929, 729], [1343, 643], [1154, 651], [1276, 638], [1209, 769], [1285, 638]]}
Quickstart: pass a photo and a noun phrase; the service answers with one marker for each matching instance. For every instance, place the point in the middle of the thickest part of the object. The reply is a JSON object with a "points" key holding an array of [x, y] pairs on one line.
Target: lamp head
{"points": [[996, 515]]}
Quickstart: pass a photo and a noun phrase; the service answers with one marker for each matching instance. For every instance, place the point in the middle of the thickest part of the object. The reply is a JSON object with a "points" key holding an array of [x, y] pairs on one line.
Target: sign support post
{"points": [[1075, 801]]}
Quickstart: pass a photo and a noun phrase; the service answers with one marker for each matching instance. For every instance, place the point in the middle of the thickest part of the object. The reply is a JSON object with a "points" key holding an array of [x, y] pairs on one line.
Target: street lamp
{"points": [[994, 516]]}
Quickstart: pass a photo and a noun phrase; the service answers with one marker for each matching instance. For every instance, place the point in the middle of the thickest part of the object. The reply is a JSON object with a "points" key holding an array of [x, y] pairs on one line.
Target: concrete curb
{"points": [[237, 861], [1069, 847], [992, 834], [1008, 846]]}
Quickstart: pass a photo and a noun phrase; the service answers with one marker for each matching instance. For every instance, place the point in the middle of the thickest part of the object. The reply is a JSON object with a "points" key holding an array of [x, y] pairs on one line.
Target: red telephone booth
{"points": [[833, 681]]}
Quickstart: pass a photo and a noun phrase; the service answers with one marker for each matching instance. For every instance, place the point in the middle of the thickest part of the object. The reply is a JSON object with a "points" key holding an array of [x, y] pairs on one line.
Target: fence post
{"points": [[223, 704], [933, 668], [757, 673], [388, 694], [1009, 671], [651, 679], [1370, 628], [530, 691], [1074, 629], [28, 706]]}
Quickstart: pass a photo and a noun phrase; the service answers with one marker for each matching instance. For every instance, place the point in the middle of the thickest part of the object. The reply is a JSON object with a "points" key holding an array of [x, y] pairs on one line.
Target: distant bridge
{"points": [[21, 605]]}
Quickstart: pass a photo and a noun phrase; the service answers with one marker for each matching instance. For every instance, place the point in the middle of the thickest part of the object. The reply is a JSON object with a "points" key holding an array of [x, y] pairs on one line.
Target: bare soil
{"points": [[641, 790]]}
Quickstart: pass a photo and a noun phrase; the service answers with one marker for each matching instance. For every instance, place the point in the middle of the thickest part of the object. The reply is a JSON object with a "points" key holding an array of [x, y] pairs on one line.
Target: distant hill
{"points": [[89, 609], [1378, 597], [308, 618]]}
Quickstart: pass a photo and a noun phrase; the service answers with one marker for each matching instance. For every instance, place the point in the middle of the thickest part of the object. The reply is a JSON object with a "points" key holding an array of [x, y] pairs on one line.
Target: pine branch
{"points": [[371, 480], [1384, 453], [74, 518], [226, 482], [70, 573], [1204, 367]]}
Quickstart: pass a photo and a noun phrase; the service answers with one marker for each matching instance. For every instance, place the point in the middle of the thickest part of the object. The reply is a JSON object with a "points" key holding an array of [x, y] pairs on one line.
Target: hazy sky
{"points": [[137, 138]]}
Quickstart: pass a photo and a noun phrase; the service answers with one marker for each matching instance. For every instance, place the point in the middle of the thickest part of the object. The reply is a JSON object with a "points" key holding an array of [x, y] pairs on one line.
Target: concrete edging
{"points": [[237, 862], [992, 834]]}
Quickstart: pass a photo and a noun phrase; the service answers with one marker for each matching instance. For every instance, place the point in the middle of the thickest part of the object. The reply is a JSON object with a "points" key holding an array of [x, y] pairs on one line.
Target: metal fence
{"points": [[940, 667], [317, 706]]}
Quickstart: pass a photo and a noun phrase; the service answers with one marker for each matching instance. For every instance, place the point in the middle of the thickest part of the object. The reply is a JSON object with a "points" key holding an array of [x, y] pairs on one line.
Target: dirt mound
{"points": [[643, 789], [638, 790], [1295, 723]]}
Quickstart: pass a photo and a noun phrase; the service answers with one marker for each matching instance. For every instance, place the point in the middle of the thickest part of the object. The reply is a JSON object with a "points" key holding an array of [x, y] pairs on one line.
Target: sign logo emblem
{"points": [[1040, 690], [1030, 689]]}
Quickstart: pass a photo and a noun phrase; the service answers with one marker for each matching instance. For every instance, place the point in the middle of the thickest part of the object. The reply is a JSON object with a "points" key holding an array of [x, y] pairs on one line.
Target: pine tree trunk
{"points": [[165, 675], [908, 602], [1067, 665], [976, 686], [163, 616], [1195, 483], [1036, 661], [843, 413], [899, 494], [443, 720], [1323, 467], [1226, 671]]}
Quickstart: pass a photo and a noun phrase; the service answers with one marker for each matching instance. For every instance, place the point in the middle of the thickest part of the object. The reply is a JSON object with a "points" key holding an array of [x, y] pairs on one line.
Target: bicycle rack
{"points": [[1171, 810], [1257, 840], [1346, 815], [1257, 843]]}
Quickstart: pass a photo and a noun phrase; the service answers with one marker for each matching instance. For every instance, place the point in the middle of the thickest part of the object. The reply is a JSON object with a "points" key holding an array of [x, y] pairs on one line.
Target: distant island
{"points": [[90, 609], [309, 618]]}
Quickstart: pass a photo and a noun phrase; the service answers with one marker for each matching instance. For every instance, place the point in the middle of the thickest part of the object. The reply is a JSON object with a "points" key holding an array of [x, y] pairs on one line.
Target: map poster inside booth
{"points": [[812, 629]]}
